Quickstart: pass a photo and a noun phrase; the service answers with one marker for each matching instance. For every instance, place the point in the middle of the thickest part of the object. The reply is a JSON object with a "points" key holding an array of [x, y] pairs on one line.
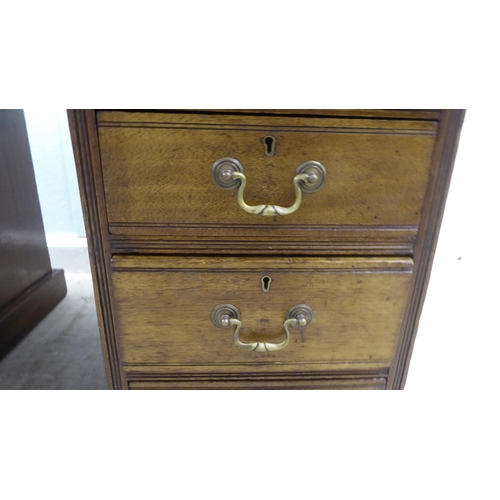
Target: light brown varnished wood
{"points": [[236, 120], [437, 189], [134, 287], [156, 263], [399, 114], [157, 176], [313, 241], [269, 383], [85, 145], [198, 371], [370, 375], [163, 307], [413, 114]]}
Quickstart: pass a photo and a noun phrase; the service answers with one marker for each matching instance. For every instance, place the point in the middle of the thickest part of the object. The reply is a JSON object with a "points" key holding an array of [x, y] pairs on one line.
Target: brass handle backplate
{"points": [[227, 173], [227, 316]]}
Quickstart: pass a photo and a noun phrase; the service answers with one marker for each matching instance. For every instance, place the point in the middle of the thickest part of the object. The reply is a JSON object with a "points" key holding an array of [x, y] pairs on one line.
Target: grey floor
{"points": [[63, 351]]}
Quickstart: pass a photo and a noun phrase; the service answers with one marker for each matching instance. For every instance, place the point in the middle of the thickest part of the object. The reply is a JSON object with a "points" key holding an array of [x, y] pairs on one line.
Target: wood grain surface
{"points": [[167, 245], [163, 308], [323, 383], [84, 138], [437, 190], [412, 114], [157, 172], [399, 114]]}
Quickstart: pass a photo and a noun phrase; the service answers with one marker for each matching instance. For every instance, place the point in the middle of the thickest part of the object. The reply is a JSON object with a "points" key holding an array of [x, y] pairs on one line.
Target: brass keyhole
{"points": [[266, 283], [269, 145]]}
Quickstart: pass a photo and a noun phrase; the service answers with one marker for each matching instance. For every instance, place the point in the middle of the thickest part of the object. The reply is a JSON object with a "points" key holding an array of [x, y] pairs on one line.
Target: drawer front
{"points": [[333, 383], [157, 172], [164, 310]]}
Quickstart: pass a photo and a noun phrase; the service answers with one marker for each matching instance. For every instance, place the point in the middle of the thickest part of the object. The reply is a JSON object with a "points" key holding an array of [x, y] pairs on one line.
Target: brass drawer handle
{"points": [[227, 173], [227, 316]]}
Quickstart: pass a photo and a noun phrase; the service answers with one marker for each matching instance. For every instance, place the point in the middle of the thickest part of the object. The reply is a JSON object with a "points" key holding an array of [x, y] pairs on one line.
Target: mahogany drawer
{"points": [[157, 177], [163, 308]]}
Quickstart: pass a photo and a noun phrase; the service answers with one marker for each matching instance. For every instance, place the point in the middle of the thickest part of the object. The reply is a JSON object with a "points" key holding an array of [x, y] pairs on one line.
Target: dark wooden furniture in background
{"points": [[29, 287], [168, 246]]}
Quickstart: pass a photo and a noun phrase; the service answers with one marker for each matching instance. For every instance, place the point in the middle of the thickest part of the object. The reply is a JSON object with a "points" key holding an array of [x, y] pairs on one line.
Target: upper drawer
{"points": [[157, 172]]}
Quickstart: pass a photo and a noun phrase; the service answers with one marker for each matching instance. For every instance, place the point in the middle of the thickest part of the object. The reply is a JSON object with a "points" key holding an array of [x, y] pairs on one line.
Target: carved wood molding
{"points": [[264, 380], [215, 247], [437, 189], [84, 138]]}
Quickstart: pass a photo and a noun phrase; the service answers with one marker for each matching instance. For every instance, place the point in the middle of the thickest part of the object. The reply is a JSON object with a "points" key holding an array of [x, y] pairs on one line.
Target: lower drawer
{"points": [[165, 311], [335, 384]]}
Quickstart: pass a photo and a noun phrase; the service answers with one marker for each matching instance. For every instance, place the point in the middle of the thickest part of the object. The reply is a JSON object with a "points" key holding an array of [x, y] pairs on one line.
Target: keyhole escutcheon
{"points": [[269, 145], [266, 283]]}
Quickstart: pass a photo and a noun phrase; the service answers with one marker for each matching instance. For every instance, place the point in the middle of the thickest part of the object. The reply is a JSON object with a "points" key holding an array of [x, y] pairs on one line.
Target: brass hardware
{"points": [[302, 313], [227, 173], [222, 173], [266, 283], [222, 313], [269, 145], [227, 315]]}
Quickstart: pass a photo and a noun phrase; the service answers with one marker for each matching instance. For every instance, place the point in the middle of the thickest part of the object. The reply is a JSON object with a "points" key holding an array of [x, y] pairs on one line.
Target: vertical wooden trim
{"points": [[437, 190], [85, 145]]}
